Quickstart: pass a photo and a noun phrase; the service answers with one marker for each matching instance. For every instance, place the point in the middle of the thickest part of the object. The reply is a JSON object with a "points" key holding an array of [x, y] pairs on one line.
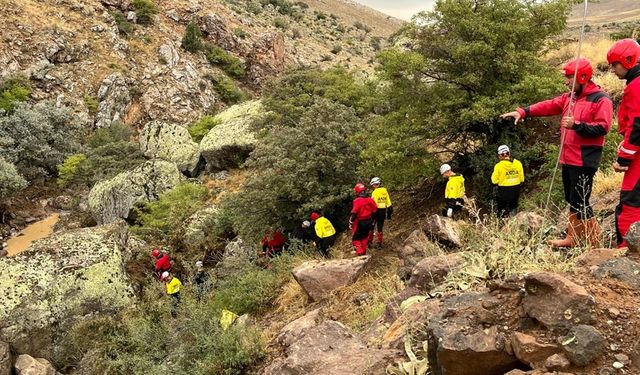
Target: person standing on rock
{"points": [[381, 196], [508, 175], [454, 191], [200, 281], [173, 286], [582, 132], [361, 219], [325, 233], [163, 262], [623, 58]]}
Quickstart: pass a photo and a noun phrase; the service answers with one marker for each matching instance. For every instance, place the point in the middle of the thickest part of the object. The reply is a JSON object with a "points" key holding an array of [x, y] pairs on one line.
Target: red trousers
{"points": [[360, 238]]}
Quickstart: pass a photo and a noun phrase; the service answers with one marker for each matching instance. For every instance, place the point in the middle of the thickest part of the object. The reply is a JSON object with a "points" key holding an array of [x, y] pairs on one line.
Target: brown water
{"points": [[35, 231]]}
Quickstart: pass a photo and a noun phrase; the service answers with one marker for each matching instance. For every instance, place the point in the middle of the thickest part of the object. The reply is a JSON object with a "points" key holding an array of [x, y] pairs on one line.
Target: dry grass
{"points": [[605, 183], [593, 48]]}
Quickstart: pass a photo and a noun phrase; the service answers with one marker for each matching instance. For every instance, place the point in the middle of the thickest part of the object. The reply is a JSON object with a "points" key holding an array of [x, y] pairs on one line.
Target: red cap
{"points": [[155, 252], [625, 52], [359, 188], [314, 216], [582, 67]]}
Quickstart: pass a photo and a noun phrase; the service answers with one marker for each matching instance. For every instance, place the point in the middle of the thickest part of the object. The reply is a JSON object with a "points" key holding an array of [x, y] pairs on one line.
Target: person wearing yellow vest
{"points": [[173, 286], [325, 233], [453, 192], [381, 196], [508, 175]]}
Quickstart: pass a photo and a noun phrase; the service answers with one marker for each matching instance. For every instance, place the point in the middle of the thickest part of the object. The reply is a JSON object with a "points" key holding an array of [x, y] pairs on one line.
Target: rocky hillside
{"points": [[110, 64]]}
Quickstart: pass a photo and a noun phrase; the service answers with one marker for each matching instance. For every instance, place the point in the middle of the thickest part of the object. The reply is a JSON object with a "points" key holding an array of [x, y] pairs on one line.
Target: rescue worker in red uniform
{"points": [[623, 58], [273, 242], [361, 219], [582, 134], [163, 262]]}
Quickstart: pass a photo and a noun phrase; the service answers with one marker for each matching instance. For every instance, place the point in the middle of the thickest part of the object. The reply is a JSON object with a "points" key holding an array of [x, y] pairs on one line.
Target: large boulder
{"points": [[233, 137], [556, 302], [329, 348], [6, 359], [113, 199], [583, 345], [294, 330], [413, 319], [633, 237], [215, 29], [465, 338], [199, 225], [431, 271], [415, 248], [170, 142], [27, 365], [320, 278], [59, 279], [114, 100], [442, 230], [623, 269], [237, 255]]}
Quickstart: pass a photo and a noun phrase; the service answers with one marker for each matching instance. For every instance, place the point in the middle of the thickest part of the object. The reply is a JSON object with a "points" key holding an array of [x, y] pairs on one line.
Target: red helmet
{"points": [[155, 253], [359, 188], [625, 52], [314, 216], [584, 70]]}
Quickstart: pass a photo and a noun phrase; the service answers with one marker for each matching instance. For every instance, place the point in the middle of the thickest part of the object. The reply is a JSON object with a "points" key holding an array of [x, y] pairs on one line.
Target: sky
{"points": [[402, 9]]}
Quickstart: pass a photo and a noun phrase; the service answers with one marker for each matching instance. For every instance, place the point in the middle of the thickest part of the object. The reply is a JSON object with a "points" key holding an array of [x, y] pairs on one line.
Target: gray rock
{"points": [[431, 271], [215, 29], [199, 225], [173, 14], [295, 330], [557, 362], [415, 248], [59, 279], [27, 365], [320, 278], [267, 57], [442, 230], [623, 269], [170, 142], [583, 345], [557, 302], [6, 359], [237, 255], [233, 138], [113, 199], [132, 17], [633, 237], [169, 54], [114, 99]]}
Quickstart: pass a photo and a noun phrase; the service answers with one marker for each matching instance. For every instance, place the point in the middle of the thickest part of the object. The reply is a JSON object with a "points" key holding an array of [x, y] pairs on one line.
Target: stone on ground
{"points": [[431, 271], [442, 230], [320, 278], [583, 345]]}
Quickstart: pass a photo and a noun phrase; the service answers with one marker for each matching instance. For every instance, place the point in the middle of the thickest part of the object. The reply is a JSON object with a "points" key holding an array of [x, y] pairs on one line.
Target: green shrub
{"points": [[92, 104], [12, 91], [280, 23], [375, 43], [361, 26], [192, 39], [228, 90], [145, 11], [229, 63], [10, 180], [201, 127], [336, 49], [247, 291], [125, 28], [68, 170], [240, 33]]}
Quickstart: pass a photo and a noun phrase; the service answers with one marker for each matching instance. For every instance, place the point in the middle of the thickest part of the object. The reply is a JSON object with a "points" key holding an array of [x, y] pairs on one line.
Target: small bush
{"points": [[125, 28], [192, 39], [228, 91], [145, 10], [201, 127], [68, 170], [336, 49], [240, 33], [296, 34], [361, 26], [10, 180], [319, 15], [280, 23], [92, 104], [375, 43], [12, 91], [229, 63]]}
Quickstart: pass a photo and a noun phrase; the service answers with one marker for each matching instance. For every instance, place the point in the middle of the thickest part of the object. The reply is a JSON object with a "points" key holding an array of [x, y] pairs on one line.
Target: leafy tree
{"points": [[469, 61], [311, 166], [192, 39], [68, 170], [37, 138], [10, 180]]}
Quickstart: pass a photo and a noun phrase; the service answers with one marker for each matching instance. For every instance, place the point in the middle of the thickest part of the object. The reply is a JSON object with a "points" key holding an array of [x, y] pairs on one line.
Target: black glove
{"points": [[389, 212]]}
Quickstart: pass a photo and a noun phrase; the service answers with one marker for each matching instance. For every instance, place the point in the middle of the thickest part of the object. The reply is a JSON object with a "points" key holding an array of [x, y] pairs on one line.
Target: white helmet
{"points": [[375, 181], [445, 168], [165, 275], [503, 149], [199, 263], [306, 223]]}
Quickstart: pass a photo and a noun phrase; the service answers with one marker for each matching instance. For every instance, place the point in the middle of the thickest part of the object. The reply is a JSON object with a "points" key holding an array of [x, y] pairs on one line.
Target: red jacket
{"points": [[363, 208], [593, 112], [163, 263], [629, 127]]}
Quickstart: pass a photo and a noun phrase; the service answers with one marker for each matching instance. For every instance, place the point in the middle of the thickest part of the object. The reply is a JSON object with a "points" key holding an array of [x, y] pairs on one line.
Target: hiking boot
{"points": [[593, 233], [575, 230]]}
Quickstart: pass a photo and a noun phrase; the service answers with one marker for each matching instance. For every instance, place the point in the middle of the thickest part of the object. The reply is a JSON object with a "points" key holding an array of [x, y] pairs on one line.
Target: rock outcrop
{"points": [[199, 225], [267, 57], [583, 345], [431, 271], [6, 359], [623, 269], [113, 199], [442, 230], [170, 142], [114, 100], [320, 278], [60, 278], [233, 138], [414, 249], [27, 365]]}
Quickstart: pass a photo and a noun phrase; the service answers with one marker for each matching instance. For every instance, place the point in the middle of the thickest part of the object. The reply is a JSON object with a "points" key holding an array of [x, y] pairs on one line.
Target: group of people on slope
{"points": [[173, 285], [587, 113]]}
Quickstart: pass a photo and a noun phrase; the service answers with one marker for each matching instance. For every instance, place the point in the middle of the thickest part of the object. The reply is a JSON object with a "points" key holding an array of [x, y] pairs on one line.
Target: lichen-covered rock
{"points": [[170, 142], [169, 54], [233, 138], [60, 278], [114, 198], [114, 98], [237, 255], [27, 365], [6, 359], [198, 226]]}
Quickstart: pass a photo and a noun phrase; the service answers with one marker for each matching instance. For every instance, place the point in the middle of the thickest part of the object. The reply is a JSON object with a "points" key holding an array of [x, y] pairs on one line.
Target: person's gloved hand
{"points": [[389, 213]]}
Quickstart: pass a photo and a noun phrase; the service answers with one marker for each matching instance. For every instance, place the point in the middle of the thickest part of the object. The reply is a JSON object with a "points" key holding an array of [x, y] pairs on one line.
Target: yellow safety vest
{"points": [[455, 187], [381, 196], [508, 173], [324, 228], [174, 286]]}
